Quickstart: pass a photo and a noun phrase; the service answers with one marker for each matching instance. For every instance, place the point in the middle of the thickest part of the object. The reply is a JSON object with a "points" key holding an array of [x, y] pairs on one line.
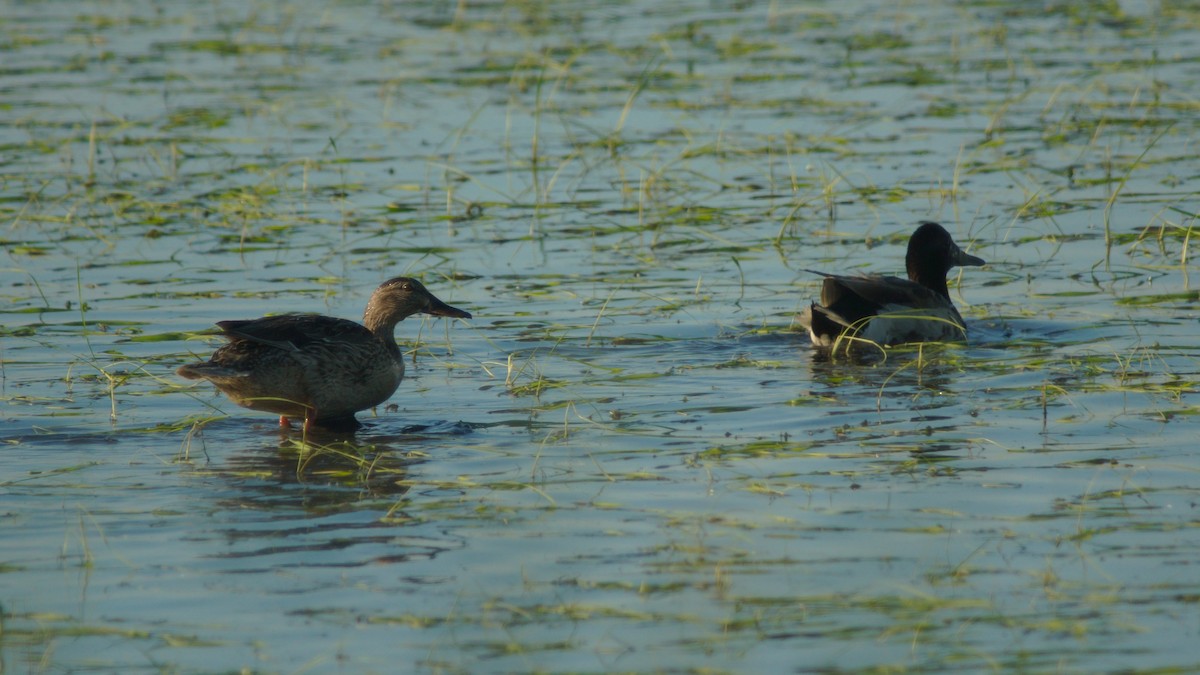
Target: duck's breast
{"points": [[345, 381]]}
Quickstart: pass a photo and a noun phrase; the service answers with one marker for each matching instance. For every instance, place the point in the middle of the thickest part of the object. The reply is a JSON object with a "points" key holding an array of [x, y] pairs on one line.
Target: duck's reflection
{"points": [[319, 499], [897, 372], [313, 472]]}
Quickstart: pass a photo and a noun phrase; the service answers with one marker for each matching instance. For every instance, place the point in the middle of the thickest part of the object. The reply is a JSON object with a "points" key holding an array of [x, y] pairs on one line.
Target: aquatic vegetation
{"points": [[630, 460]]}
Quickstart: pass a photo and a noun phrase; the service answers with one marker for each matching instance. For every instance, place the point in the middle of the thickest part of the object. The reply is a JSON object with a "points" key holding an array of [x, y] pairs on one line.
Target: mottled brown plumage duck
{"points": [[318, 368], [888, 310]]}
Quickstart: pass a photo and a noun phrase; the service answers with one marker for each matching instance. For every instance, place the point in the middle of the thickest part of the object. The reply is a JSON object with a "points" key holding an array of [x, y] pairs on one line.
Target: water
{"points": [[628, 460]]}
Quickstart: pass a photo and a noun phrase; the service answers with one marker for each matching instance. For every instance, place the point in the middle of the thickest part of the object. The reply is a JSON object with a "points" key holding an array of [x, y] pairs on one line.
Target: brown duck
{"points": [[318, 368]]}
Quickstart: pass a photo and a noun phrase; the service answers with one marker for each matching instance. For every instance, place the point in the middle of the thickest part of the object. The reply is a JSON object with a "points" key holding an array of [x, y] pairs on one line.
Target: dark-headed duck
{"points": [[886, 310]]}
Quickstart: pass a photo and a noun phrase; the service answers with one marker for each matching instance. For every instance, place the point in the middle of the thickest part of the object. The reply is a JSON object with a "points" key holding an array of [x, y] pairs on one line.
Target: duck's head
{"points": [[399, 298], [931, 254]]}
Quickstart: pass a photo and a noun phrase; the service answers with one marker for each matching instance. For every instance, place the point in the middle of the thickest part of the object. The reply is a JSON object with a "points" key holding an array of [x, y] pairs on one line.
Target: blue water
{"points": [[627, 460]]}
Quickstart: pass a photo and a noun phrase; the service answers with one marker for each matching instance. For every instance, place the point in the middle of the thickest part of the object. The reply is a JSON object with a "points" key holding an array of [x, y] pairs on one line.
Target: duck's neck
{"points": [[931, 278], [383, 326]]}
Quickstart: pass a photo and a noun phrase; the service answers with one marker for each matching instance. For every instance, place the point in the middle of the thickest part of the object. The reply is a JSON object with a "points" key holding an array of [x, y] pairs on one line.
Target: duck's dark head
{"points": [[931, 254], [399, 298]]}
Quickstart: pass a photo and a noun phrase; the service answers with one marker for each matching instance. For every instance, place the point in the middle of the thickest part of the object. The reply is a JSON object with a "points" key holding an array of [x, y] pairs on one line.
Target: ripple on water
{"points": [[629, 457]]}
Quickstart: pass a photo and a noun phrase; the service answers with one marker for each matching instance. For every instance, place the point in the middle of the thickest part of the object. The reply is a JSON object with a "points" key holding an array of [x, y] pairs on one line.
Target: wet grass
{"points": [[629, 460]]}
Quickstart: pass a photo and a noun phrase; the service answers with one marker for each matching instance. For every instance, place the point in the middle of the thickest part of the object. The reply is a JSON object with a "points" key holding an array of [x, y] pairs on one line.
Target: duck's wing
{"points": [[294, 332], [859, 297]]}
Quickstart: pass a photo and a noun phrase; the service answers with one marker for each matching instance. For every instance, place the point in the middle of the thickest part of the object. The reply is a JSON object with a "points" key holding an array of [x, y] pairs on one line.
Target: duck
{"points": [[885, 310], [321, 369]]}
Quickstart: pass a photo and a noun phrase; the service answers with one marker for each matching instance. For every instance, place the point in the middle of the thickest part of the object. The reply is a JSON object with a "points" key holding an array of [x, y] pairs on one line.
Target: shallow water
{"points": [[629, 459]]}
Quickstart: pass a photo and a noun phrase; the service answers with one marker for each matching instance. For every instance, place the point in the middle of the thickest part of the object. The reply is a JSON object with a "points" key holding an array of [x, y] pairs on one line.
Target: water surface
{"points": [[629, 460]]}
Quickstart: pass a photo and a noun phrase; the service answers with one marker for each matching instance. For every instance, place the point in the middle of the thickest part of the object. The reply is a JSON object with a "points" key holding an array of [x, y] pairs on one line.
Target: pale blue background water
{"points": [[691, 489]]}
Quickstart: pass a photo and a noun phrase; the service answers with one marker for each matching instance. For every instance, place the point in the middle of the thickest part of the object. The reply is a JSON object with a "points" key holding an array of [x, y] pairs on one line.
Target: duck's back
{"points": [[863, 296], [295, 332]]}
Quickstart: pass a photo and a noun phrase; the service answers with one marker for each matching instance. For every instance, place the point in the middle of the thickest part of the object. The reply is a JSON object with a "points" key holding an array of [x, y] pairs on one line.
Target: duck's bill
{"points": [[438, 308], [964, 259]]}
